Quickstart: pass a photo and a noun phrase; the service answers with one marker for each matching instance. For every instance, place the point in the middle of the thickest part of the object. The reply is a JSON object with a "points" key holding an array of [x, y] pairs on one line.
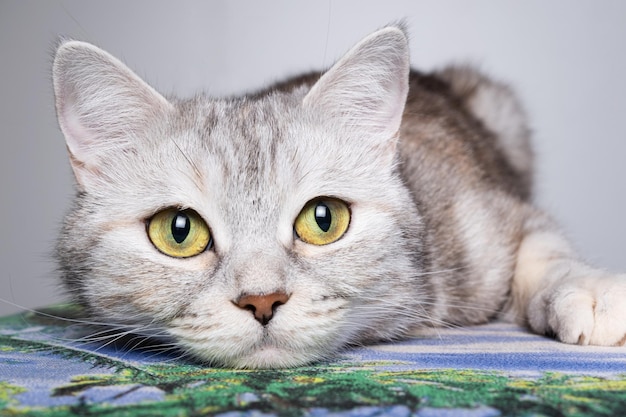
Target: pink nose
{"points": [[262, 306]]}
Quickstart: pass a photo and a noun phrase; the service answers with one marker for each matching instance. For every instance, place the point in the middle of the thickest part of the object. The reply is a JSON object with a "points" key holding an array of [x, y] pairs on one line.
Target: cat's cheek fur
{"points": [[132, 280]]}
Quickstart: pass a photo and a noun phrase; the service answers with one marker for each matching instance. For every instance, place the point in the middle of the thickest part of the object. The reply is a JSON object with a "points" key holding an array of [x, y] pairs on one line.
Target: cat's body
{"points": [[430, 218]]}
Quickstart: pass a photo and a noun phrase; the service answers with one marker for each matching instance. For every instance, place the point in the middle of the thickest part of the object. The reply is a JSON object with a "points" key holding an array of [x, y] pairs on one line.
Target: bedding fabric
{"points": [[47, 369]]}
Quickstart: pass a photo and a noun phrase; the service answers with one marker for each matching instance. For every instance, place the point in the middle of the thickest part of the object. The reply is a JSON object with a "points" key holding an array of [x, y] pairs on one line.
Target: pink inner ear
{"points": [[77, 137], [81, 144], [396, 109]]}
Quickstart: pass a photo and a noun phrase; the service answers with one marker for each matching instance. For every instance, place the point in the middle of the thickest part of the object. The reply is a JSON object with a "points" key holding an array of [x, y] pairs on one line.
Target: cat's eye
{"points": [[322, 221], [179, 233]]}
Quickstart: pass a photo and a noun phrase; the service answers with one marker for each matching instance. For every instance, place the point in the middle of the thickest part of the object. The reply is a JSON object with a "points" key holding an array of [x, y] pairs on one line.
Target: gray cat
{"points": [[355, 206]]}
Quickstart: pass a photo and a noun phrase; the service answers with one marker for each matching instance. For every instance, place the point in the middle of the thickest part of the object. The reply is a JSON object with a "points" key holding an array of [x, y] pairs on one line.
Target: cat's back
{"points": [[465, 130]]}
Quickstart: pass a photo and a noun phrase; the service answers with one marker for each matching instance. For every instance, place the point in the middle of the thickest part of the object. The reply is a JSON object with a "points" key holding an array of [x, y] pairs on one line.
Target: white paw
{"points": [[585, 306]]}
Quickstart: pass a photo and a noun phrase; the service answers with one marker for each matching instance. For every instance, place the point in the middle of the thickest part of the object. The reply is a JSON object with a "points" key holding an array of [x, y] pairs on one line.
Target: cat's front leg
{"points": [[583, 305], [557, 294]]}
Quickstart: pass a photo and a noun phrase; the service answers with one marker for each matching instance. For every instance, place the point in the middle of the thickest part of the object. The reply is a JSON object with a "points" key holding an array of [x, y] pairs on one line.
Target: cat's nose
{"points": [[262, 306]]}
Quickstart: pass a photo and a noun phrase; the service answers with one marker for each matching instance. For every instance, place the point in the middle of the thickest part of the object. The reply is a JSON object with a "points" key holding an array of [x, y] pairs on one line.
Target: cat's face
{"points": [[264, 232]]}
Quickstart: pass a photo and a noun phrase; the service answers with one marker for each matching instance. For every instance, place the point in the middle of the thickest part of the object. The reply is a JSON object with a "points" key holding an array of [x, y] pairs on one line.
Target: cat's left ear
{"points": [[366, 90], [103, 107]]}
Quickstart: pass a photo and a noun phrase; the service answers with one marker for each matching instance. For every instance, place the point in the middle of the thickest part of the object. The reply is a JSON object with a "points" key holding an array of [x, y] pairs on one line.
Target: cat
{"points": [[333, 209]]}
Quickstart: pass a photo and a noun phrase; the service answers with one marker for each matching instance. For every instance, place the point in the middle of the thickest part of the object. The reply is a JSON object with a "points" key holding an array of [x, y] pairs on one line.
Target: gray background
{"points": [[567, 60]]}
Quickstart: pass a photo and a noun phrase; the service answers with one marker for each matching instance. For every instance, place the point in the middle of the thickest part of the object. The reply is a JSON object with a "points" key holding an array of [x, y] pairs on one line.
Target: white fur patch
{"points": [[567, 298]]}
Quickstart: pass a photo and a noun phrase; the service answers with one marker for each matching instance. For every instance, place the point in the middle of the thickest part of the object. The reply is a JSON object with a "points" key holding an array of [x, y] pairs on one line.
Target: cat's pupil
{"points": [[323, 216], [180, 227]]}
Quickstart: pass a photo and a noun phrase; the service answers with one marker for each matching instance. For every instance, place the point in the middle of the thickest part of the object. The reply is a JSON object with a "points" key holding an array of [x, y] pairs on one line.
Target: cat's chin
{"points": [[271, 357], [268, 357]]}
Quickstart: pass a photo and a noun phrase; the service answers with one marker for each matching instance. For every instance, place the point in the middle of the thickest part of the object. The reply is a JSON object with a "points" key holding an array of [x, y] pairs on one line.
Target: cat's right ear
{"points": [[102, 106], [366, 90]]}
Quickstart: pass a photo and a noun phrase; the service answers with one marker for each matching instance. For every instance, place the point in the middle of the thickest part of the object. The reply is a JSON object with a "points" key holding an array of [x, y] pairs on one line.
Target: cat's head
{"points": [[267, 231]]}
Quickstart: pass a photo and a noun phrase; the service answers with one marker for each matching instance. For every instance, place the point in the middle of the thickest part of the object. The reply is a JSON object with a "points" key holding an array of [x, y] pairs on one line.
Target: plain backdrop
{"points": [[567, 60]]}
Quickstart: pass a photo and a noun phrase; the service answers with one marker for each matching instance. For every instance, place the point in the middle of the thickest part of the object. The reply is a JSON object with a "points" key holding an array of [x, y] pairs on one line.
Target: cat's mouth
{"points": [[263, 348], [233, 337]]}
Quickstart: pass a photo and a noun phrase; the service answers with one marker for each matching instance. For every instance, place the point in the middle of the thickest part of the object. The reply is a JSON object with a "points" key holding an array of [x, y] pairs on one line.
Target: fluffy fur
{"points": [[436, 168]]}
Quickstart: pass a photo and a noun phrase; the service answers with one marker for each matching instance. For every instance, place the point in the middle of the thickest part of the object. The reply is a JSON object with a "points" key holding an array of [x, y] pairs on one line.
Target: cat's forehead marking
{"points": [[252, 134], [242, 151]]}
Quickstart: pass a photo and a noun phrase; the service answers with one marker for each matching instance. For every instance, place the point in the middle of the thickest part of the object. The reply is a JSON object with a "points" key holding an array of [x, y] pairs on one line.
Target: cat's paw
{"points": [[585, 306]]}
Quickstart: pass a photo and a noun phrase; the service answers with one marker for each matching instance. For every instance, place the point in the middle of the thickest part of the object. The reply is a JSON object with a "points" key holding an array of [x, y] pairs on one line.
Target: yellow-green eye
{"points": [[322, 221], [179, 233]]}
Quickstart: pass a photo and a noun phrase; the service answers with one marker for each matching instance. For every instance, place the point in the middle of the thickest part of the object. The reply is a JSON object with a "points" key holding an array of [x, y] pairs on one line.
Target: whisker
{"points": [[189, 160], [102, 333]]}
